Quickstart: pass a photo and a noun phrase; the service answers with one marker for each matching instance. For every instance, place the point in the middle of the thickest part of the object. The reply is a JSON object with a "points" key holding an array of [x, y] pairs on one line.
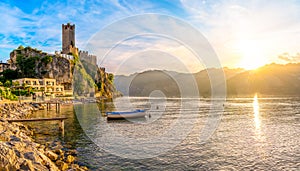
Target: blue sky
{"points": [[240, 31]]}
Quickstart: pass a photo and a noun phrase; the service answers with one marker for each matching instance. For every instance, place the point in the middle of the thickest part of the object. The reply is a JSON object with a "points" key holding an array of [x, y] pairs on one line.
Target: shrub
{"points": [[20, 47], [47, 59], [7, 83]]}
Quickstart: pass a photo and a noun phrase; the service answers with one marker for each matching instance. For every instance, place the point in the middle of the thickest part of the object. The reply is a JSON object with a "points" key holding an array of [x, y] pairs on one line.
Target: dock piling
{"points": [[62, 127], [57, 106], [60, 119]]}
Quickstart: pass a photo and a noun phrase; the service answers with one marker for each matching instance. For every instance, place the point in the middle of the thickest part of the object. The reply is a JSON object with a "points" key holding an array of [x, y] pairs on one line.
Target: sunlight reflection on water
{"points": [[256, 113], [259, 136]]}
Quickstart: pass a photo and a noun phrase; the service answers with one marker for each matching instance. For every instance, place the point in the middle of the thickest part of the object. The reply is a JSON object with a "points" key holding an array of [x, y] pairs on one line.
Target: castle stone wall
{"points": [[68, 38], [84, 55]]}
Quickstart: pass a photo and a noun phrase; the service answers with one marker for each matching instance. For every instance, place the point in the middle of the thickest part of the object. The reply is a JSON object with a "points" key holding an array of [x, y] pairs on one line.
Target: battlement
{"points": [[68, 26], [84, 55]]}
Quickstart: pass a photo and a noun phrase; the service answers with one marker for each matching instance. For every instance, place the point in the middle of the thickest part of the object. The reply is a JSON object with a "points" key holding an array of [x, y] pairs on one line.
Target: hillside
{"points": [[272, 79], [171, 83], [32, 63]]}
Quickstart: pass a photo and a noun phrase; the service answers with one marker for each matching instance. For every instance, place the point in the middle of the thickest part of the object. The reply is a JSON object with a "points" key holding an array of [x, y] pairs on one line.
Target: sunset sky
{"points": [[244, 34]]}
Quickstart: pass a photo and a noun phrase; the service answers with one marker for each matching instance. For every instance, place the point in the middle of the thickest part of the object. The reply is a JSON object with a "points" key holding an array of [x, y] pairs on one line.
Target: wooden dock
{"points": [[61, 119], [49, 103]]}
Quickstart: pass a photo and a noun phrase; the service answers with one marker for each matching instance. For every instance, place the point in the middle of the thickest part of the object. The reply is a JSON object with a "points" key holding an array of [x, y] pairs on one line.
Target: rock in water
{"points": [[62, 165], [51, 155], [27, 165], [70, 159], [29, 156]]}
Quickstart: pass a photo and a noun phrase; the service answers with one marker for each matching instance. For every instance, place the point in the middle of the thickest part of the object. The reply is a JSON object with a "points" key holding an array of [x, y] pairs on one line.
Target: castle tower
{"points": [[68, 39]]}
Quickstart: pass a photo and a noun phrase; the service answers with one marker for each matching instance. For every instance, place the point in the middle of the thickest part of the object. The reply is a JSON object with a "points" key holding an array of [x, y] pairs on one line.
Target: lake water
{"points": [[252, 134]]}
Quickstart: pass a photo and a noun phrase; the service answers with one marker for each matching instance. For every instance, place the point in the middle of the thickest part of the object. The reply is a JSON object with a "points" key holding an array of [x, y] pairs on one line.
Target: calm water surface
{"points": [[253, 134]]}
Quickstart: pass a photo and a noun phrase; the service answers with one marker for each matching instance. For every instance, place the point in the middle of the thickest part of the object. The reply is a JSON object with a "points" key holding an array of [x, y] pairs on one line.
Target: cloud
{"points": [[290, 58], [42, 27], [144, 52], [271, 25], [153, 38]]}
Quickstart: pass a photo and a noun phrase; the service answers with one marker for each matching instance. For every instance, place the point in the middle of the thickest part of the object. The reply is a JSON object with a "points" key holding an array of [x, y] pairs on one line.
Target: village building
{"points": [[45, 85], [4, 66]]}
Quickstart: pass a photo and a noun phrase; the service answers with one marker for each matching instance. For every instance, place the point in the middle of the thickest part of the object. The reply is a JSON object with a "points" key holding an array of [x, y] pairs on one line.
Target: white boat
{"points": [[128, 114]]}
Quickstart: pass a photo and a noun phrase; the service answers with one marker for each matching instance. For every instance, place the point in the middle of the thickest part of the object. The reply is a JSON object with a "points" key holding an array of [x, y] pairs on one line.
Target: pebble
{"points": [[18, 151], [70, 159], [51, 155]]}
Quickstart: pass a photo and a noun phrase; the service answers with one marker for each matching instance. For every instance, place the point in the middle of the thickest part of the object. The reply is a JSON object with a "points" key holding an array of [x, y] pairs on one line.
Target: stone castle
{"points": [[69, 46], [68, 39], [68, 49], [60, 66], [84, 55]]}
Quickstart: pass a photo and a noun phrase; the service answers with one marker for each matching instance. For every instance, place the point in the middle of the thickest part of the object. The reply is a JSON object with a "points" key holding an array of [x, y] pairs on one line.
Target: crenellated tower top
{"points": [[68, 39]]}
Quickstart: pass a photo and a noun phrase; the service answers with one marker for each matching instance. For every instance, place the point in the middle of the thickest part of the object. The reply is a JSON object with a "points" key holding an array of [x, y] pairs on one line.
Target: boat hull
{"points": [[125, 115]]}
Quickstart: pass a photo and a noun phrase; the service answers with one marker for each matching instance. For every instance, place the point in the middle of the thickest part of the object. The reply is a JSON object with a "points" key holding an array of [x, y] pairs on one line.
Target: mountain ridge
{"points": [[271, 79]]}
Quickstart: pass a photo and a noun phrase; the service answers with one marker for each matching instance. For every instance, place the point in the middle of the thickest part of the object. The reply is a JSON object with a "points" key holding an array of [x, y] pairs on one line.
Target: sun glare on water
{"points": [[251, 53], [256, 112]]}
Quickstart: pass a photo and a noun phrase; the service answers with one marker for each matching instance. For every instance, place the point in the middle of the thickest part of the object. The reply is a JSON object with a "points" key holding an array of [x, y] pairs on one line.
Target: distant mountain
{"points": [[272, 79], [172, 84], [142, 84]]}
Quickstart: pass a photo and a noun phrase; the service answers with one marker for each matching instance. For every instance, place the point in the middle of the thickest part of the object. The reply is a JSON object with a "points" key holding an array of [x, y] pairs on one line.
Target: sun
{"points": [[251, 53]]}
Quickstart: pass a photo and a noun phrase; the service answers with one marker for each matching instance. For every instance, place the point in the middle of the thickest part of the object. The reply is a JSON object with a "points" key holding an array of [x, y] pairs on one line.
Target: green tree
{"points": [[16, 83], [3, 93], [24, 85], [20, 47], [7, 83], [47, 59], [10, 74], [26, 65], [111, 77]]}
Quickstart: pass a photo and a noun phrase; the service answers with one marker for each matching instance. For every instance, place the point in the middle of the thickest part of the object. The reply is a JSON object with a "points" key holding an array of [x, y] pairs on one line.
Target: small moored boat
{"points": [[129, 114]]}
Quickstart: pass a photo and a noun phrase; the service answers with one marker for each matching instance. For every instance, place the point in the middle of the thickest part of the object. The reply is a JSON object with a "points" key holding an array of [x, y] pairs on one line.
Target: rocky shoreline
{"points": [[18, 151]]}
